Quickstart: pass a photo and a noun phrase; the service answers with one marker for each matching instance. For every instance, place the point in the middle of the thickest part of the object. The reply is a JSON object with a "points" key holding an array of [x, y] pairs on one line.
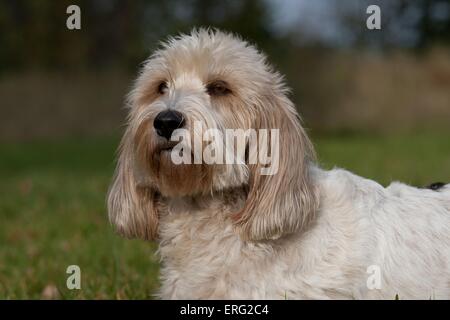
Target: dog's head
{"points": [[210, 80]]}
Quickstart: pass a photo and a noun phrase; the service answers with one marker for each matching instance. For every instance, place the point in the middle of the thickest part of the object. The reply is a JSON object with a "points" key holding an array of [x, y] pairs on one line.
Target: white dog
{"points": [[229, 232]]}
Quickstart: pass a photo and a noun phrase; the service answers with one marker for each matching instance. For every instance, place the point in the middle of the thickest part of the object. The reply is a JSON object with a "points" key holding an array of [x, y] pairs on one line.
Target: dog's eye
{"points": [[162, 87], [218, 88]]}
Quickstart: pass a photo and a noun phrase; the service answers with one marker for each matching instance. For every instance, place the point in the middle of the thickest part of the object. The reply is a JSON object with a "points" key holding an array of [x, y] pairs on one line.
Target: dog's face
{"points": [[214, 81], [220, 82]]}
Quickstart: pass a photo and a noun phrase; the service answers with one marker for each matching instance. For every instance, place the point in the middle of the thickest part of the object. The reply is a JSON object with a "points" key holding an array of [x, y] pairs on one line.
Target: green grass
{"points": [[52, 210], [52, 213], [418, 159]]}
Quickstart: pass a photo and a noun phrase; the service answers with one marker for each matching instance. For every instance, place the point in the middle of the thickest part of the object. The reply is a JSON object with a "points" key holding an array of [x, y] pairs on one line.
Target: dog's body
{"points": [[227, 231], [403, 231]]}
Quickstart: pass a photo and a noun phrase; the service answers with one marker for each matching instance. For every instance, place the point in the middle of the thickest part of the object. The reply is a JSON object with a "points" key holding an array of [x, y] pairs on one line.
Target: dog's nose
{"points": [[167, 122]]}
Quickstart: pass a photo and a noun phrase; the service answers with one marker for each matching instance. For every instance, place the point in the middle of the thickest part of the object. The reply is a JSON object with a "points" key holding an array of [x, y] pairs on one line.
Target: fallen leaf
{"points": [[50, 292]]}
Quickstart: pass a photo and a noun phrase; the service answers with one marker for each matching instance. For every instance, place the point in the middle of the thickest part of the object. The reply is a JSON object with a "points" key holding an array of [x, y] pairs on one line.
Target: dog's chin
{"points": [[177, 180]]}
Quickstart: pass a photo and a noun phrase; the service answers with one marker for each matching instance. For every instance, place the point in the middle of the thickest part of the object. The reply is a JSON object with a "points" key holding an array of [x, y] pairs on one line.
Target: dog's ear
{"points": [[285, 201], [131, 207]]}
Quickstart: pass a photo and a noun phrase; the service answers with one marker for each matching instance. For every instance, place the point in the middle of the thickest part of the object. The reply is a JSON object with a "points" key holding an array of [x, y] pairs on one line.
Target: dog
{"points": [[227, 231]]}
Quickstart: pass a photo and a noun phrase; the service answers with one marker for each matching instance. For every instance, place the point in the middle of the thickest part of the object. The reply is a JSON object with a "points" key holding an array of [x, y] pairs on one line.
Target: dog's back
{"points": [[399, 234], [413, 235]]}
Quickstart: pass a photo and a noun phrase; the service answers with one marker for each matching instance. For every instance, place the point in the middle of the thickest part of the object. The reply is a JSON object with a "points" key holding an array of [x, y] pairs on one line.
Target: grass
{"points": [[418, 159], [52, 210]]}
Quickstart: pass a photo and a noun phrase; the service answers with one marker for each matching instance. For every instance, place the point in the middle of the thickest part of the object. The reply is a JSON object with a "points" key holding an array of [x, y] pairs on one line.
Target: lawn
{"points": [[52, 210]]}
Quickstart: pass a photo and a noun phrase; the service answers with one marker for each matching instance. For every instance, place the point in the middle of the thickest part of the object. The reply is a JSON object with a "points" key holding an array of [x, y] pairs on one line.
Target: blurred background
{"points": [[376, 102]]}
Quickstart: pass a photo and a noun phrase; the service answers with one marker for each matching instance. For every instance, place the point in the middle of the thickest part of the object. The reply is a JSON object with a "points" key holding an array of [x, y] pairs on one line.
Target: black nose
{"points": [[167, 121]]}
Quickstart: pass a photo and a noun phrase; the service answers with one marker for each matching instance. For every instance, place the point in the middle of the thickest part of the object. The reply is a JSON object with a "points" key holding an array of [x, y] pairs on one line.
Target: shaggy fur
{"points": [[226, 231]]}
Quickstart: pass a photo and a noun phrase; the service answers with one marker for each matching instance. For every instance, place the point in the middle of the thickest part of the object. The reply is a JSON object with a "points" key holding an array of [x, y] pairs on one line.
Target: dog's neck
{"points": [[225, 201], [193, 229]]}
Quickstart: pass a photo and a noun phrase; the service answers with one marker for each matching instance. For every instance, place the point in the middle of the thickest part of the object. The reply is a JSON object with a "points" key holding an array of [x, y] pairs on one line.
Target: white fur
{"points": [[304, 233], [403, 230]]}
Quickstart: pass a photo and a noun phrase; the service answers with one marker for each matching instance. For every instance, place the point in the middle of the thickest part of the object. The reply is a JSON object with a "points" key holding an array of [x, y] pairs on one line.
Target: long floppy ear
{"points": [[131, 208], [284, 202]]}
